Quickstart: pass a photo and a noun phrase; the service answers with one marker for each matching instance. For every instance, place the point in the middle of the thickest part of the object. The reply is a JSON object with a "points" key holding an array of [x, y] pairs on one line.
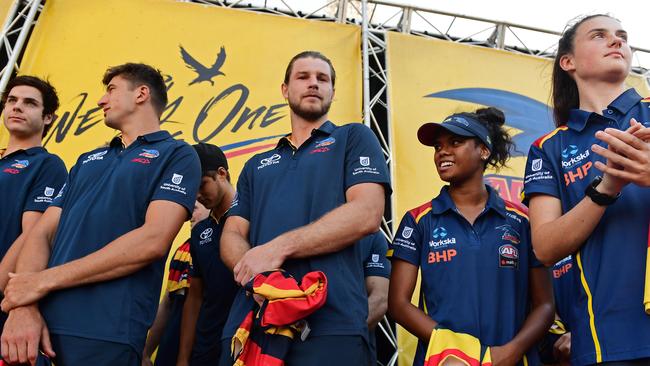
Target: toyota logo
{"points": [[206, 233], [271, 159]]}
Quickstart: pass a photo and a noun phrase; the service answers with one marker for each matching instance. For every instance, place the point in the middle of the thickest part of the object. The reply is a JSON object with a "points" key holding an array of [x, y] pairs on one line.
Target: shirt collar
{"points": [[221, 219], [326, 128], [31, 151], [150, 137], [623, 103], [444, 202], [626, 101], [155, 136], [34, 150]]}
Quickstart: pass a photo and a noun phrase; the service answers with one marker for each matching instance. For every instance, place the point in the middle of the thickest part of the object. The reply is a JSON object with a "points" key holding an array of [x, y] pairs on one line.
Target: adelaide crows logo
{"points": [[533, 118], [205, 73]]}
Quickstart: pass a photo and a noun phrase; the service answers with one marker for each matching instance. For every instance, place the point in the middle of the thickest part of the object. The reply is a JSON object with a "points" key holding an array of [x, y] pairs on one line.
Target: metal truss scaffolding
{"points": [[13, 35], [376, 17]]}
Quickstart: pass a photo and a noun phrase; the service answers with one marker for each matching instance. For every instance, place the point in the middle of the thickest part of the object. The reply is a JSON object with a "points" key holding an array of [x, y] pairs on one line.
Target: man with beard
{"points": [[302, 207], [93, 264]]}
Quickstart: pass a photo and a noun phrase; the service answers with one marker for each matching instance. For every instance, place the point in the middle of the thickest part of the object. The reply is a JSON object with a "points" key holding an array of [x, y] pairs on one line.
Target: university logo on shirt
{"points": [[407, 232], [536, 165], [375, 258], [364, 160], [49, 191], [177, 178]]}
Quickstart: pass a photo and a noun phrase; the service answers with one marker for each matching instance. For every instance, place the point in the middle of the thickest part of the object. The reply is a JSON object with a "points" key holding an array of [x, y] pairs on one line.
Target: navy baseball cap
{"points": [[211, 157], [459, 124]]}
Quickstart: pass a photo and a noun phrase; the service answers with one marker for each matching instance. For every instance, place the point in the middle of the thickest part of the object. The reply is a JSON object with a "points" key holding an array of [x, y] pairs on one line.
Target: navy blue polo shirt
{"points": [[286, 188], [373, 249], [106, 196], [474, 277], [219, 289], [609, 322], [29, 180]]}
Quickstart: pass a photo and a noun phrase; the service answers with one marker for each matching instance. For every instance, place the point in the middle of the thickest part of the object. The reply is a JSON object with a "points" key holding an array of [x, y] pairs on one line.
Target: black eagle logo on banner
{"points": [[205, 73]]}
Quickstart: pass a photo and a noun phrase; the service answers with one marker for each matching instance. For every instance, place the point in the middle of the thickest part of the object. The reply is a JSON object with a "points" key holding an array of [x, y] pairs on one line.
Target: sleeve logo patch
{"points": [[407, 232], [364, 160], [177, 178]]}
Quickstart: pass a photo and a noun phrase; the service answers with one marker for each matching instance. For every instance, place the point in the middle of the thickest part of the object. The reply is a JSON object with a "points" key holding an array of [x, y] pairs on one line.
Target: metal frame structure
{"points": [[14, 33], [376, 17]]}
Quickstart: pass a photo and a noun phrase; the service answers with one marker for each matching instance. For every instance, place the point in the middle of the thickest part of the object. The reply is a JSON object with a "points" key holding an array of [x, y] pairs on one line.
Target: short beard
{"points": [[310, 115]]}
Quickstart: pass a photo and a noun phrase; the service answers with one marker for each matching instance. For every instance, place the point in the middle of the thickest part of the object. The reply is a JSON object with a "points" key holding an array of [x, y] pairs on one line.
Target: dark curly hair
{"points": [[494, 119]]}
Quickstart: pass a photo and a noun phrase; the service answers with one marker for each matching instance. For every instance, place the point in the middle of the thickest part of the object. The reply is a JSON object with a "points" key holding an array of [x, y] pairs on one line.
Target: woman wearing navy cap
{"points": [[587, 188], [482, 289]]}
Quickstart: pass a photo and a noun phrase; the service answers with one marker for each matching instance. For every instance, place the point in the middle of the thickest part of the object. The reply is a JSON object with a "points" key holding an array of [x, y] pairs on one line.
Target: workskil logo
{"points": [[571, 157], [439, 232], [439, 235]]}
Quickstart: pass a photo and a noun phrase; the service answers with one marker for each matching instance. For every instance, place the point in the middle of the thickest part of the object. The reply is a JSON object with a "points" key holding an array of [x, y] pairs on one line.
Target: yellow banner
{"points": [[431, 79], [223, 69]]}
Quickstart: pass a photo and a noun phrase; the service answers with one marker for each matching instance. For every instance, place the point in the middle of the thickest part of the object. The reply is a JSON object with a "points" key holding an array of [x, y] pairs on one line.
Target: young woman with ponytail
{"points": [[586, 186]]}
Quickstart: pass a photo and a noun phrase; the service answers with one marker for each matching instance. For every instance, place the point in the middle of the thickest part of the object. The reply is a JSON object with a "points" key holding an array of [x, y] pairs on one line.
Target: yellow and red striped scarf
{"points": [[445, 346], [264, 337]]}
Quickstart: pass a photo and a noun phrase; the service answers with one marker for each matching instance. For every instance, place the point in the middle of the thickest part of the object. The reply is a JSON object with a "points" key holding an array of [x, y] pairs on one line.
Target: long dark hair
{"points": [[564, 88]]}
